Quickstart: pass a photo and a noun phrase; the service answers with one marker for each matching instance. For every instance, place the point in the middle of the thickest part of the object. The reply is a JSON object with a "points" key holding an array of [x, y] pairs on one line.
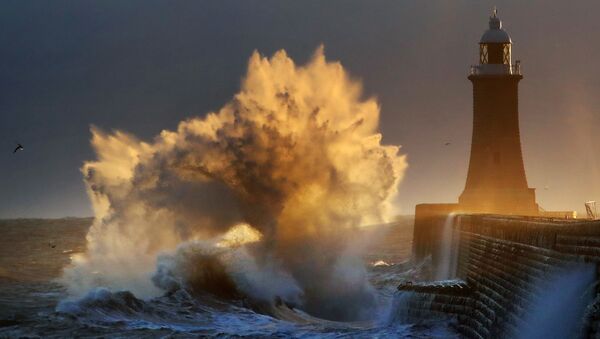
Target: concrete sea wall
{"points": [[429, 221], [518, 276]]}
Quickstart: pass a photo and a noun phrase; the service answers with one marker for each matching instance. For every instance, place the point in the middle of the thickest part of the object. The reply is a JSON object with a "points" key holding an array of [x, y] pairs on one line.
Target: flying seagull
{"points": [[18, 148], [447, 144]]}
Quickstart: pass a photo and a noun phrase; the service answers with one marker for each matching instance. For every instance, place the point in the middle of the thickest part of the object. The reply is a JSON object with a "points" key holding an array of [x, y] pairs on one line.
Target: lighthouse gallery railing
{"points": [[491, 69]]}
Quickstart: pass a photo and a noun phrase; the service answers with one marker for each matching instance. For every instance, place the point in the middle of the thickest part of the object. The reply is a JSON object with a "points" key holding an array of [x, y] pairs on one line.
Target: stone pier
{"points": [[505, 264]]}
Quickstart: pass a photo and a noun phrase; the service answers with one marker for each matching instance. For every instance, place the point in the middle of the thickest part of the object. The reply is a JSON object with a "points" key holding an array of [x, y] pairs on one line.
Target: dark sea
{"points": [[33, 303]]}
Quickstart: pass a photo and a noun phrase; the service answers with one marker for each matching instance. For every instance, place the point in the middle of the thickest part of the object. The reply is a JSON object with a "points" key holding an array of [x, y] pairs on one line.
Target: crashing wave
{"points": [[295, 156]]}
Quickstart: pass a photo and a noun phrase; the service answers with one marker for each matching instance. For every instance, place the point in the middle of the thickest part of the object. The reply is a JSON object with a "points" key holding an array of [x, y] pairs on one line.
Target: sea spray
{"points": [[295, 155], [215, 267], [448, 251], [558, 311]]}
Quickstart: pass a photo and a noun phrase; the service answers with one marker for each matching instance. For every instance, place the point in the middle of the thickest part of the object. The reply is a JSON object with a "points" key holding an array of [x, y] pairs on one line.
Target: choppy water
{"points": [[33, 303]]}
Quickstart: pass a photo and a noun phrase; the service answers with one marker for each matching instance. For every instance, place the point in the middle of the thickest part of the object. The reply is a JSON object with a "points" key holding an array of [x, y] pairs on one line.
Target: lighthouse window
{"points": [[483, 54], [506, 60], [495, 53]]}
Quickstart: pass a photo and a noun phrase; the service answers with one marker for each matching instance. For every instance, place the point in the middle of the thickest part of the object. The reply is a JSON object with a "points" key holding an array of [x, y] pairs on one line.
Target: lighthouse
{"points": [[496, 181]]}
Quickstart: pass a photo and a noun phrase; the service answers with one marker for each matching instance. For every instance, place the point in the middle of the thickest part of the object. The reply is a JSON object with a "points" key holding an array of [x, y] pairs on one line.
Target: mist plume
{"points": [[295, 155]]}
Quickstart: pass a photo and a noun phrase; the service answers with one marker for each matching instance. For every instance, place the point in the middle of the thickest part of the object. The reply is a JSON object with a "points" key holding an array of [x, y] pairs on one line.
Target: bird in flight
{"points": [[447, 144], [18, 148]]}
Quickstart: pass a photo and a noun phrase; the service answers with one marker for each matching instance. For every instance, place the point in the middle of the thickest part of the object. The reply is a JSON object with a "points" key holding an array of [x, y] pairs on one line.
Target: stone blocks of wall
{"points": [[505, 261], [429, 220]]}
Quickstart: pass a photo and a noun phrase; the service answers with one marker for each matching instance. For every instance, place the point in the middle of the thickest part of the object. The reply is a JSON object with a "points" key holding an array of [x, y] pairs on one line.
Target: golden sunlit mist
{"points": [[295, 157]]}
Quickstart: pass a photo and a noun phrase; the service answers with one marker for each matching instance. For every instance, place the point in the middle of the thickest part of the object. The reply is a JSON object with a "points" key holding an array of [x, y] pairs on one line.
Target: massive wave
{"points": [[257, 200]]}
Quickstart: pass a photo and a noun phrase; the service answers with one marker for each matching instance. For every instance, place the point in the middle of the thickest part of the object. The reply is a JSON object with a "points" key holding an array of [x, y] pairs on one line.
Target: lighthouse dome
{"points": [[495, 34]]}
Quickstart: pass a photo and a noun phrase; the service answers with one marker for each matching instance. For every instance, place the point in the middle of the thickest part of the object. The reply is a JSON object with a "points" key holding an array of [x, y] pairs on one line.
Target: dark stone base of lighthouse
{"points": [[496, 180]]}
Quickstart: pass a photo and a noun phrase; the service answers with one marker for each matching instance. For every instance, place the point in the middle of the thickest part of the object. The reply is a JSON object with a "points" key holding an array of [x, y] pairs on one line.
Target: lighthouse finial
{"points": [[495, 22]]}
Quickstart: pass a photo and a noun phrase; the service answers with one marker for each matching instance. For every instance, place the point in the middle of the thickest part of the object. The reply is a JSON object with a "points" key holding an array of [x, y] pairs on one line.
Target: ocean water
{"points": [[33, 303]]}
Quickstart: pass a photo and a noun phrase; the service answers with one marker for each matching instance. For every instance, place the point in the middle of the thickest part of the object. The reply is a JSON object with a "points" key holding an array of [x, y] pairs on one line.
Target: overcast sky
{"points": [[142, 66]]}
